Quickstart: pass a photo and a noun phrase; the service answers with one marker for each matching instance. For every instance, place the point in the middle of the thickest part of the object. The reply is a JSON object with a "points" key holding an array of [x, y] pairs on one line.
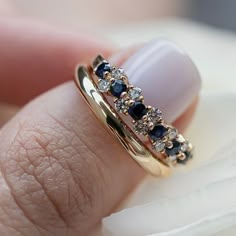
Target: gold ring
{"points": [[168, 147]]}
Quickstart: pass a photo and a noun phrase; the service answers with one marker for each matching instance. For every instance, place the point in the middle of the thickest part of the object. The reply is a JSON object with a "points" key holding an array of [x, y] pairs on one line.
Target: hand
{"points": [[61, 171]]}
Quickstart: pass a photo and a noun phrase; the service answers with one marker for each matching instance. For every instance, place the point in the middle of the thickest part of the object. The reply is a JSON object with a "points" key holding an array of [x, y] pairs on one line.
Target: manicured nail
{"points": [[167, 76]]}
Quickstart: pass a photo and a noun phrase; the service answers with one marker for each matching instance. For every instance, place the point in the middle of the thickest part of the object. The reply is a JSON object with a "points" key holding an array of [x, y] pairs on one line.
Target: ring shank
{"points": [[104, 112]]}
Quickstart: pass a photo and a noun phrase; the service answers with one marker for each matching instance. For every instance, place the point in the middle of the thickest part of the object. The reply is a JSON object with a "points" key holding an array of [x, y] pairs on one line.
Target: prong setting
{"points": [[147, 120]]}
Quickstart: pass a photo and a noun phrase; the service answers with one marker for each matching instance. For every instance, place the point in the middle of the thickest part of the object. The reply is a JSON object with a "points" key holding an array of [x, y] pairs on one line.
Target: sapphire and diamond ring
{"points": [[168, 145], [147, 120]]}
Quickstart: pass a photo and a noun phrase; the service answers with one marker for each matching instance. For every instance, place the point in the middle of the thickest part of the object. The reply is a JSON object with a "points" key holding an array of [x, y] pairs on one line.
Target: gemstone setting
{"points": [[135, 93], [159, 146], [158, 132], [172, 133], [103, 86], [116, 73], [141, 127], [117, 88], [154, 115], [174, 150], [188, 155], [121, 106], [137, 110], [184, 147], [172, 158], [147, 120], [102, 68]]}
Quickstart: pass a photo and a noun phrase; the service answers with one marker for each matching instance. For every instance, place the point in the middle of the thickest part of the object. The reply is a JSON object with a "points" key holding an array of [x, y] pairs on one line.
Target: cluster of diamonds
{"points": [[147, 120]]}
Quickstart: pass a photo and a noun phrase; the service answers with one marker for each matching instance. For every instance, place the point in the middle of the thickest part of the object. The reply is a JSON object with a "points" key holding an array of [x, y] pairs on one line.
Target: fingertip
{"points": [[167, 76]]}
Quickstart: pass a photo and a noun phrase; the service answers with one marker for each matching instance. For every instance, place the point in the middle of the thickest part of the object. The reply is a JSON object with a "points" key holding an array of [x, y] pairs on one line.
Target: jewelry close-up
{"points": [[169, 147]]}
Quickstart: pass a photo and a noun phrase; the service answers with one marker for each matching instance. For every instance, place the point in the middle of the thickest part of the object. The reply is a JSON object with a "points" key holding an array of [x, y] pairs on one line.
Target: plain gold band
{"points": [[104, 112]]}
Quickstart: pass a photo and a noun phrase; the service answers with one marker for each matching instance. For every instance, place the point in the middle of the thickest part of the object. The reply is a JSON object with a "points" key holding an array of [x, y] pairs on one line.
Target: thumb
{"points": [[62, 172]]}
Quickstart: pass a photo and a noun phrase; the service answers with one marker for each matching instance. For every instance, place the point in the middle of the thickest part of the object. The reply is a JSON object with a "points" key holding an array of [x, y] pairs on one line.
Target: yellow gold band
{"points": [[109, 118]]}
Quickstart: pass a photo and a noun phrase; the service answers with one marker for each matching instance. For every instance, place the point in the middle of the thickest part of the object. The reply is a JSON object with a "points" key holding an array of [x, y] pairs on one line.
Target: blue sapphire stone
{"points": [[189, 155], [158, 132], [174, 150], [117, 88], [137, 110], [102, 68]]}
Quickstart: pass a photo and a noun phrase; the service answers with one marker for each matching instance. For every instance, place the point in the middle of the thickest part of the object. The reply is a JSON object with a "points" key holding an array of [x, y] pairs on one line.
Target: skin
{"points": [[56, 175]]}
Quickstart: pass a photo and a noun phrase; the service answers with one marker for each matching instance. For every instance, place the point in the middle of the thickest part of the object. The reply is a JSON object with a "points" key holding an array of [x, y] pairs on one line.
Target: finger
{"points": [[186, 117], [7, 112], [7, 8], [63, 171], [36, 57]]}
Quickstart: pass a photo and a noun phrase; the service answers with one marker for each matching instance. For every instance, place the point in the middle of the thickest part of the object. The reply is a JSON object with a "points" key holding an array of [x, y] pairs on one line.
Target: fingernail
{"points": [[167, 76]]}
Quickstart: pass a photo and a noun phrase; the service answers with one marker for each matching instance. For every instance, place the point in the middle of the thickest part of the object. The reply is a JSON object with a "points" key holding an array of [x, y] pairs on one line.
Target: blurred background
{"points": [[90, 14]]}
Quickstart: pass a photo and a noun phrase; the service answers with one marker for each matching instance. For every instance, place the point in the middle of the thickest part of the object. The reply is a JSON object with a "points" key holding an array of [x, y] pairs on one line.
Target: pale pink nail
{"points": [[167, 76]]}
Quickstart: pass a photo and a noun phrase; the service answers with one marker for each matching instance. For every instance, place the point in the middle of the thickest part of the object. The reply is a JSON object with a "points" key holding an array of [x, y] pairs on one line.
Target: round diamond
{"points": [[154, 114], [103, 86], [172, 158], [173, 134], [141, 127], [180, 138], [120, 105], [159, 146], [135, 93], [184, 147], [116, 73]]}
